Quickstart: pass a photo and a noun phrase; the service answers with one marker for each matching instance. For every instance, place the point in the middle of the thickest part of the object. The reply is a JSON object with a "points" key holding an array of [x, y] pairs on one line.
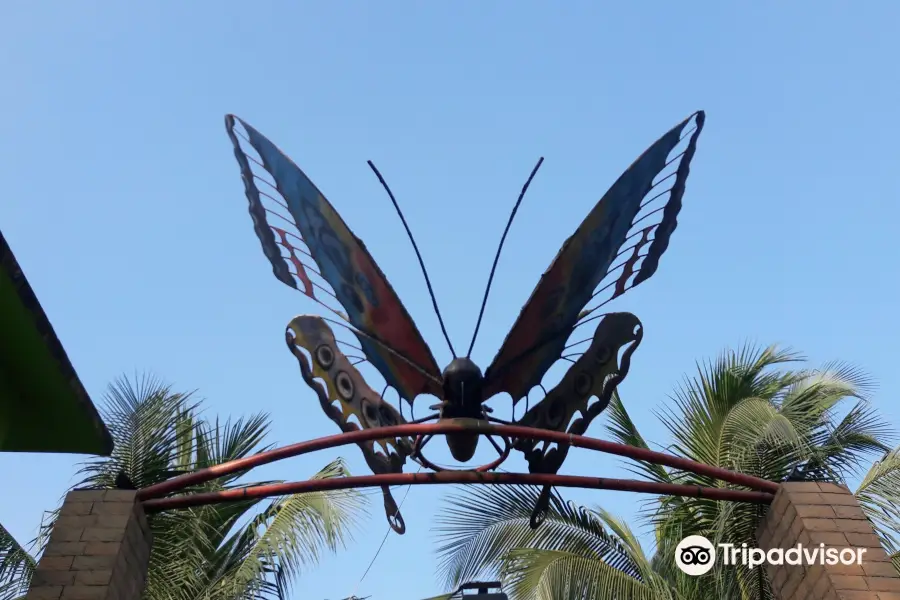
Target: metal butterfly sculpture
{"points": [[619, 243]]}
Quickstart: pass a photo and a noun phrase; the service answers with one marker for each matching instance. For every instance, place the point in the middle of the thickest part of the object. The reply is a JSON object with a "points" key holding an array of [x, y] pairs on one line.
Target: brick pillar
{"points": [[99, 549], [812, 513]]}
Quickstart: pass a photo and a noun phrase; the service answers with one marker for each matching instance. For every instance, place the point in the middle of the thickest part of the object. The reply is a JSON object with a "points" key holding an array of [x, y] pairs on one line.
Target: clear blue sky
{"points": [[124, 205]]}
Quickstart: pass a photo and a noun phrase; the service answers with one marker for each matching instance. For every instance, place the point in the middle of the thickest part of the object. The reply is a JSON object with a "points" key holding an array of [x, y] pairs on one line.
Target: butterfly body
{"points": [[311, 249], [463, 387]]}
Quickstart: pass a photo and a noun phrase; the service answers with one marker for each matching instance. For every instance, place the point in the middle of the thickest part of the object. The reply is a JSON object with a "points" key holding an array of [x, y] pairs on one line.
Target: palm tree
{"points": [[747, 412], [244, 550]]}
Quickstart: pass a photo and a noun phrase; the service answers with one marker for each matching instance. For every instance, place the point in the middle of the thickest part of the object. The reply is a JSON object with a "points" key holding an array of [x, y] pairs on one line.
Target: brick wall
{"points": [[811, 514], [99, 549]]}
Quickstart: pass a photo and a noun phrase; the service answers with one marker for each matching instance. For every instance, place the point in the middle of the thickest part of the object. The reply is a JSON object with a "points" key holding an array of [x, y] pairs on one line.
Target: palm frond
{"points": [[233, 439], [846, 447], [751, 411], [853, 377], [480, 525], [144, 418], [203, 553], [541, 574], [17, 566], [757, 439], [701, 405], [626, 537], [199, 548], [879, 497], [624, 431], [288, 535]]}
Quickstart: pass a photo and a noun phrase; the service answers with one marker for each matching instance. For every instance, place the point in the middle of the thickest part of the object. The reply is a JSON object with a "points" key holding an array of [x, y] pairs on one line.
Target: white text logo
{"points": [[798, 555], [696, 555]]}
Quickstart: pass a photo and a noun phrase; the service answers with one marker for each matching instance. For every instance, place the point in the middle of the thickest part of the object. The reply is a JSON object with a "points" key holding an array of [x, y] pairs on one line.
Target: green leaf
{"points": [[16, 567], [753, 410], [879, 497], [232, 551]]}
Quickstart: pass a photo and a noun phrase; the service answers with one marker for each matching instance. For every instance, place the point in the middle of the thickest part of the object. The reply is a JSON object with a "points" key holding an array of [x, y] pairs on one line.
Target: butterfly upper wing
{"points": [[386, 332], [539, 335]]}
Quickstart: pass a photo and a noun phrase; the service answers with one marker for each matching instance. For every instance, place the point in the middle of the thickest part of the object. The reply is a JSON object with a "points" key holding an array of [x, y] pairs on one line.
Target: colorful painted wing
{"points": [[355, 400], [620, 242], [296, 222]]}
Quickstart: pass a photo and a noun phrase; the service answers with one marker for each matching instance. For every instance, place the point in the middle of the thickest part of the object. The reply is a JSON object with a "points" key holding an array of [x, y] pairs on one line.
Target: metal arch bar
{"points": [[450, 477], [451, 426]]}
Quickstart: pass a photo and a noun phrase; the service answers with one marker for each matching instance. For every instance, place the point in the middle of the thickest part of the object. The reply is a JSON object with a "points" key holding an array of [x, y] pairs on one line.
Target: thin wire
{"points": [[383, 540], [487, 289], [412, 240]]}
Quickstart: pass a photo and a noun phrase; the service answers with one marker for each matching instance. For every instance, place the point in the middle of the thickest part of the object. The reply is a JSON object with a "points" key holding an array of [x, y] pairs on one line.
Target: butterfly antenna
{"points": [[487, 290], [437, 311]]}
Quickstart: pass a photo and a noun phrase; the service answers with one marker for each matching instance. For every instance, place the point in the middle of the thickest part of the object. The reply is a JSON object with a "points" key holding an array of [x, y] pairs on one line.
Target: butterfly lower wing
{"points": [[300, 216], [584, 391], [628, 212], [346, 396]]}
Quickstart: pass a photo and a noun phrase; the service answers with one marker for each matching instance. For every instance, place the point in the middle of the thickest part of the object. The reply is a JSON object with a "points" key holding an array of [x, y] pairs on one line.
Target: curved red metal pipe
{"points": [[452, 426], [450, 477]]}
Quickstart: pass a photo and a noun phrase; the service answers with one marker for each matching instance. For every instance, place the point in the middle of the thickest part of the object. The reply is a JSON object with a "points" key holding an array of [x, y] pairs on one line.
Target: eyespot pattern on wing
{"points": [[345, 395], [344, 382]]}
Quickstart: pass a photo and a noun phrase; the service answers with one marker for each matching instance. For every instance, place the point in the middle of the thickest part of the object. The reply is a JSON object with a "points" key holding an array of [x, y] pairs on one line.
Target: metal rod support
{"points": [[452, 426], [450, 477]]}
